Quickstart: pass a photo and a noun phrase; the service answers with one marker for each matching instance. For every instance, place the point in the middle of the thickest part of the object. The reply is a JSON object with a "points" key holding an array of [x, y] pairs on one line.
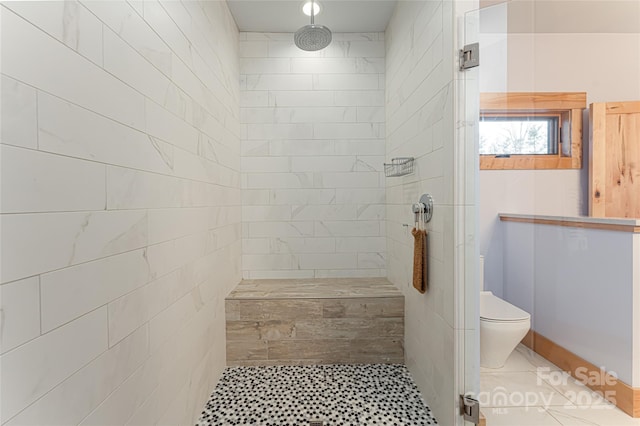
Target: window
{"points": [[533, 134], [531, 130]]}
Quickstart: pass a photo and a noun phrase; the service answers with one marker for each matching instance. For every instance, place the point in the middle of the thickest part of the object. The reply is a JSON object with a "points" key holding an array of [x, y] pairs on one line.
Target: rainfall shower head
{"points": [[312, 37]]}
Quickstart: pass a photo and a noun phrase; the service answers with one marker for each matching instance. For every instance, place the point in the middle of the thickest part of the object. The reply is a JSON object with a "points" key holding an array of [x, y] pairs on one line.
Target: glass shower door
{"points": [[466, 216]]}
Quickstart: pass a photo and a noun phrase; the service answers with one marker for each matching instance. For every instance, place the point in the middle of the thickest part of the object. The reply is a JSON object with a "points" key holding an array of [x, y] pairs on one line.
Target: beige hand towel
{"points": [[420, 259]]}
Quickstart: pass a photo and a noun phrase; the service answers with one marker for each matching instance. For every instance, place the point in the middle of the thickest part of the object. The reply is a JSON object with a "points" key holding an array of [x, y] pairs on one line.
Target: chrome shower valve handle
{"points": [[423, 210]]}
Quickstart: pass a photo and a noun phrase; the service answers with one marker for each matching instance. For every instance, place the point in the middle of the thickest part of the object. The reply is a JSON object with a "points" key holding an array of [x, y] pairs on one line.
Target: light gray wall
{"points": [[312, 155], [120, 208], [580, 287]]}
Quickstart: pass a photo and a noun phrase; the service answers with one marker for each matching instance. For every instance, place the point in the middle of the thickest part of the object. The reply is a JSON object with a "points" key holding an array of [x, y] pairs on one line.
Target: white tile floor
{"points": [[530, 391]]}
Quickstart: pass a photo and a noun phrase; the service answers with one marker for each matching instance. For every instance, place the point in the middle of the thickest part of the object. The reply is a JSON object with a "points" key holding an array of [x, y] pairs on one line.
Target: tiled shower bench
{"points": [[315, 321]]}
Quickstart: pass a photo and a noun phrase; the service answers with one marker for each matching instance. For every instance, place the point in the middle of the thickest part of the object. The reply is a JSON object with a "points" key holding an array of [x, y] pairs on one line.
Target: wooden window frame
{"points": [[568, 105]]}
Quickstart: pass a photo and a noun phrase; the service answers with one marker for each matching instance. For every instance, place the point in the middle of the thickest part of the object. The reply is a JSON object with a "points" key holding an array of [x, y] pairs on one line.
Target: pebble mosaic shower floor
{"points": [[339, 395]]}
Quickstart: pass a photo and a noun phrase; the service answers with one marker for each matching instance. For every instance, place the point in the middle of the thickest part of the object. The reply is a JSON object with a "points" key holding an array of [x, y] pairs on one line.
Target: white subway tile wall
{"points": [[420, 123], [312, 153], [121, 206]]}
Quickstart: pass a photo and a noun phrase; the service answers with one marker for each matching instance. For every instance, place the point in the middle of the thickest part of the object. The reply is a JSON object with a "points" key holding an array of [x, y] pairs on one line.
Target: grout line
{"points": [[133, 210], [138, 169], [102, 36], [40, 302], [106, 190], [37, 121]]}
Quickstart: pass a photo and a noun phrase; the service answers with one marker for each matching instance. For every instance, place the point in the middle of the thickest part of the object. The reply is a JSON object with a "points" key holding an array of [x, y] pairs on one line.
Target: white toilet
{"points": [[502, 327]]}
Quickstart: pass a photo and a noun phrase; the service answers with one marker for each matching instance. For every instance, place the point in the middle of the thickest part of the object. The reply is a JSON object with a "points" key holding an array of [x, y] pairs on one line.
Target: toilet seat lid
{"points": [[493, 308]]}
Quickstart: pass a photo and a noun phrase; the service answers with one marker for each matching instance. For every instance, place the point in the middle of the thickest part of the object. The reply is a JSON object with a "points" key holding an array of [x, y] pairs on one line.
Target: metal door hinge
{"points": [[470, 56], [470, 409]]}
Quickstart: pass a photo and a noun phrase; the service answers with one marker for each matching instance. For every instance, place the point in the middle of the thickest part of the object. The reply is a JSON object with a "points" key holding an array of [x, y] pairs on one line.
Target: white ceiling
{"points": [[341, 16]]}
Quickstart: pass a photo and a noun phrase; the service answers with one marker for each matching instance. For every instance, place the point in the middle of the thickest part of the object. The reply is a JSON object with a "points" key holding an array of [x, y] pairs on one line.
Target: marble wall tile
{"points": [[347, 130], [326, 260], [360, 244], [323, 164], [254, 98], [360, 98], [134, 309], [302, 245], [175, 317], [91, 88], [68, 129], [300, 98], [366, 47], [89, 386], [266, 164], [345, 81], [287, 114], [256, 245], [254, 49], [278, 180], [118, 406], [326, 66], [138, 6], [124, 62], [324, 212], [281, 229], [69, 22], [348, 180], [360, 196], [301, 147], [371, 260], [159, 19], [35, 368], [38, 243], [70, 292], [166, 126], [34, 181], [280, 131], [371, 211], [370, 114], [122, 19], [267, 213], [121, 173], [266, 66], [19, 113], [20, 306], [279, 82], [170, 224], [307, 196], [132, 189], [189, 82], [369, 228], [267, 261]]}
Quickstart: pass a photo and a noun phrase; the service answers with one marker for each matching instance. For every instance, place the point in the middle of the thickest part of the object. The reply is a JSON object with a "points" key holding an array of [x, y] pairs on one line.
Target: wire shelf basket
{"points": [[399, 167]]}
